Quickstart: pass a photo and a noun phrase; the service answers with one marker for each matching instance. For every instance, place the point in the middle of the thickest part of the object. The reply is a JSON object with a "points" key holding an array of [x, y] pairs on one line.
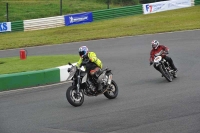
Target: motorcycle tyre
{"points": [[168, 77], [107, 93], [69, 97]]}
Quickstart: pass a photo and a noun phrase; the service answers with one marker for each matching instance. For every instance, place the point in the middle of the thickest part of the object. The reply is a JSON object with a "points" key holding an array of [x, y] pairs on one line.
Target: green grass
{"points": [[15, 64], [175, 20], [31, 9]]}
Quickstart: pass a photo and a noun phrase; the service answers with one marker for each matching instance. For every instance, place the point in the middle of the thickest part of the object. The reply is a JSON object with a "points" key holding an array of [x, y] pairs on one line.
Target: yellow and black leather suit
{"points": [[93, 62]]}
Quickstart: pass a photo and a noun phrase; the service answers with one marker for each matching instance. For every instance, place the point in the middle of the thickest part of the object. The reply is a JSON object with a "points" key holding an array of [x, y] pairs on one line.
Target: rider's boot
{"points": [[173, 67], [175, 70]]}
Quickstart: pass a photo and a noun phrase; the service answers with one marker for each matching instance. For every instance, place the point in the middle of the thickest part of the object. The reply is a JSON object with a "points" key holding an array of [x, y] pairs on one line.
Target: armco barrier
{"points": [[44, 23], [34, 78], [58, 21], [17, 26], [117, 12], [197, 2], [29, 79]]}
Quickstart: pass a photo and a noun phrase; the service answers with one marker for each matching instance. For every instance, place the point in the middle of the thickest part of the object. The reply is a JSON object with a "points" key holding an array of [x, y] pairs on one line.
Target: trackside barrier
{"points": [[34, 78], [44, 23], [192, 2], [58, 21], [165, 6], [5, 27], [17, 26], [64, 71], [79, 18], [117, 12], [197, 2], [29, 79]]}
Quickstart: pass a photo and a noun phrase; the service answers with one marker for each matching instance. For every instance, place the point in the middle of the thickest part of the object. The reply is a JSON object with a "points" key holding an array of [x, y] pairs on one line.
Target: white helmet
{"points": [[83, 50], [154, 44]]}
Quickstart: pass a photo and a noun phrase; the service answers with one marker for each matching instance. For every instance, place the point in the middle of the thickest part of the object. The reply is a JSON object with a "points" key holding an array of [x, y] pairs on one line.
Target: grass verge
{"points": [[32, 9], [174, 20], [31, 63]]}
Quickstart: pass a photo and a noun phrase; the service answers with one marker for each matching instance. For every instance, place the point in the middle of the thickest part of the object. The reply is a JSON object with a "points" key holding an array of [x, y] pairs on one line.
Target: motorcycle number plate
{"points": [[157, 59]]}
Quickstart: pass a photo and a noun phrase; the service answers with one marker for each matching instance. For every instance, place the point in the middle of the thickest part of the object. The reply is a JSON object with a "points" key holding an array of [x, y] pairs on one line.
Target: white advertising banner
{"points": [[165, 5], [5, 26]]}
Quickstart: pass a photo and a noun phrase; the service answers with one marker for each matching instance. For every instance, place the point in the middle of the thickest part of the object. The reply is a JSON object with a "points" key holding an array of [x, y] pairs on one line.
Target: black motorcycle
{"points": [[165, 68], [81, 85]]}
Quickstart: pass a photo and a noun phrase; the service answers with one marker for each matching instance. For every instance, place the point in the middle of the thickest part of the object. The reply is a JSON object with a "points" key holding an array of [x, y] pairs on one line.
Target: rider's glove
{"points": [[165, 52], [151, 63]]}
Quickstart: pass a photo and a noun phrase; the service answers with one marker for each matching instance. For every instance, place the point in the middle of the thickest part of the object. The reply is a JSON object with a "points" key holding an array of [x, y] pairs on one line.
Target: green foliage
{"points": [[25, 9]]}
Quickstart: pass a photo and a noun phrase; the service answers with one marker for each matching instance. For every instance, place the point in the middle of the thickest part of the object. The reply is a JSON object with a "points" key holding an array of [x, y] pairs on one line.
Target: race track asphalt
{"points": [[146, 103]]}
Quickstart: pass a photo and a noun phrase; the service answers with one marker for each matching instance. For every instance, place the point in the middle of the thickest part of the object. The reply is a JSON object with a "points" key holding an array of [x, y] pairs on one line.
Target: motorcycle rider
{"points": [[93, 65], [162, 50]]}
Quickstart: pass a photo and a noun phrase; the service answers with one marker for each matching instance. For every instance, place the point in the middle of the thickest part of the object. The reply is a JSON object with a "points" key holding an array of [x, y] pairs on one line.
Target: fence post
{"points": [[7, 12], [60, 7], [108, 2]]}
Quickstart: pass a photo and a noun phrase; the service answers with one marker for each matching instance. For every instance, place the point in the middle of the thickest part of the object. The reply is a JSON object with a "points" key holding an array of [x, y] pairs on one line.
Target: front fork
{"points": [[78, 84], [163, 66], [166, 68], [109, 81]]}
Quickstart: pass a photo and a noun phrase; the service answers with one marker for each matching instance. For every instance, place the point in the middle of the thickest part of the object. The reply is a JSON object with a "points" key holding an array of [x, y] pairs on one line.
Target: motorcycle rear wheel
{"points": [[113, 91], [73, 98], [165, 73]]}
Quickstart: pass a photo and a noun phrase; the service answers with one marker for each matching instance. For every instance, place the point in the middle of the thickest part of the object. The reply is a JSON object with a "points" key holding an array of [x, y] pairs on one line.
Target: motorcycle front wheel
{"points": [[165, 73], [74, 98], [112, 91]]}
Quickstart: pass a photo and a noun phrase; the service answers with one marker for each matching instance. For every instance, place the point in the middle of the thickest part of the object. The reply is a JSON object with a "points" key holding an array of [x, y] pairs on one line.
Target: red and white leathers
{"points": [[159, 51], [162, 51]]}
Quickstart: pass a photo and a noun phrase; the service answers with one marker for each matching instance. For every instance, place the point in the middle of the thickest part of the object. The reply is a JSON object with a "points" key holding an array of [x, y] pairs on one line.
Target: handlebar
{"points": [[165, 53]]}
